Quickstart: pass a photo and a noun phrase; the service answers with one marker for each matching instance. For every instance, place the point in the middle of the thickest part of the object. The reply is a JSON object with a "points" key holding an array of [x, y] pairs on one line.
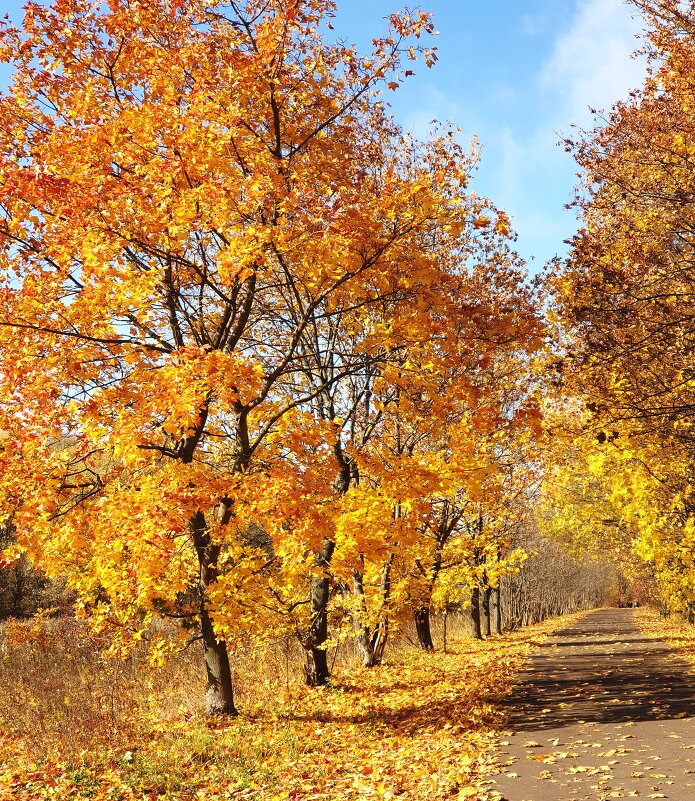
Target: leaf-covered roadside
{"points": [[420, 727], [673, 628]]}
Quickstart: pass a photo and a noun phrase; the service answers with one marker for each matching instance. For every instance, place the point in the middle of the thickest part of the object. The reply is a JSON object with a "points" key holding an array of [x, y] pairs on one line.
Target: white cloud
{"points": [[590, 65]]}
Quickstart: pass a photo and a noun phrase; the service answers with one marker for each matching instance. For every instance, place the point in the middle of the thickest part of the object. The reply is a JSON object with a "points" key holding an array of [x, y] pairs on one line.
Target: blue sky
{"points": [[517, 74]]}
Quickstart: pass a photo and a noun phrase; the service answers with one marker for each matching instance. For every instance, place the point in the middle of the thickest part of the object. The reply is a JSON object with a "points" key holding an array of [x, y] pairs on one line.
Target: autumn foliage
{"points": [[85, 728], [275, 388], [258, 344], [624, 301]]}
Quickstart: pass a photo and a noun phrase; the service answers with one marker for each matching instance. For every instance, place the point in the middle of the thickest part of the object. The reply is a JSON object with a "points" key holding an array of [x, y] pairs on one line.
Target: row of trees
{"points": [[268, 364], [262, 353], [553, 582], [624, 301]]}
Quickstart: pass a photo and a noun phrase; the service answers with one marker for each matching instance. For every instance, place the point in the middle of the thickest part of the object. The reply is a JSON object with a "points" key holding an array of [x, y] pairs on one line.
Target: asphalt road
{"points": [[601, 712]]}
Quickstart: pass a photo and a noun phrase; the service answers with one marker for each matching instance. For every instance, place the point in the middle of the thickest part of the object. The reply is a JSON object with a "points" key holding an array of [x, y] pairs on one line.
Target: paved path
{"points": [[601, 712]]}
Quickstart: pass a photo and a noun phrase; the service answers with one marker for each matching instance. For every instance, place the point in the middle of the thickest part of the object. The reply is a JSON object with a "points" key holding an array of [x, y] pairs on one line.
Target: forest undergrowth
{"points": [[76, 725]]}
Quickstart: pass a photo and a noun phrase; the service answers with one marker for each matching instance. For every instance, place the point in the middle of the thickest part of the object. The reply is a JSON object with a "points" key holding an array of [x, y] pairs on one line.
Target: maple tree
{"points": [[412, 445], [465, 536], [210, 228], [402, 440], [626, 295]]}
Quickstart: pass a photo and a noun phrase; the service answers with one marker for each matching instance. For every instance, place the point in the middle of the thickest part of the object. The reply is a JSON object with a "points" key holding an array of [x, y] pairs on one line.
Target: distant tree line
{"points": [[23, 589]]}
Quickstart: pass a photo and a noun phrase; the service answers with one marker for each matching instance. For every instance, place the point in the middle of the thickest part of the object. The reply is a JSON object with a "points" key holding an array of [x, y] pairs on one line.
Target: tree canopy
{"points": [[246, 319]]}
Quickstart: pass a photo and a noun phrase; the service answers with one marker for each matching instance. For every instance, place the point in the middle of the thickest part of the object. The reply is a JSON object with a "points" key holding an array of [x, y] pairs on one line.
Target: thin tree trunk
{"points": [[381, 632], [475, 612], [486, 593], [219, 696], [487, 623], [422, 627], [18, 589], [316, 667], [422, 613], [475, 592], [496, 609], [363, 639]]}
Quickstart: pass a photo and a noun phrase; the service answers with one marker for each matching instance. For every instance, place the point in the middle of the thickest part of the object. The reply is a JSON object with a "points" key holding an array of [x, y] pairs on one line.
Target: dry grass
{"points": [[77, 726]]}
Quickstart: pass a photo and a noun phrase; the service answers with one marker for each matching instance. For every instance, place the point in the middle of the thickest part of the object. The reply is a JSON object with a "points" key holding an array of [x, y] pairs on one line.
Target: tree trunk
{"points": [[486, 594], [422, 613], [496, 610], [363, 639], [475, 613], [422, 626], [316, 667], [478, 559], [381, 632], [219, 696], [18, 590]]}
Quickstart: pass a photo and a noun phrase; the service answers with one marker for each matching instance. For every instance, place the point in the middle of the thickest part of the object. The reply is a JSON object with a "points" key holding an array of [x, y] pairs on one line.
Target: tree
{"points": [[399, 441], [625, 296], [190, 190], [466, 535], [422, 453]]}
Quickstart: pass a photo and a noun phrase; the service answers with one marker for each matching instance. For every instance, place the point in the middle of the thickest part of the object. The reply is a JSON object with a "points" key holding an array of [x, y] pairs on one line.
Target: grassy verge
{"points": [[75, 726], [673, 629]]}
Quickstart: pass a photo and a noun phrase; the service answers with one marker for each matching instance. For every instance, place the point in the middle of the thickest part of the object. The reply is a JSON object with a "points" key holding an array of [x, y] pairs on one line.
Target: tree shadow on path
{"points": [[603, 671], [600, 712]]}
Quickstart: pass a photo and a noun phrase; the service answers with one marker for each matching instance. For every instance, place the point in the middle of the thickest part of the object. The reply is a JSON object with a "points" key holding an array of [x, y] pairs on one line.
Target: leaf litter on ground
{"points": [[420, 727]]}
